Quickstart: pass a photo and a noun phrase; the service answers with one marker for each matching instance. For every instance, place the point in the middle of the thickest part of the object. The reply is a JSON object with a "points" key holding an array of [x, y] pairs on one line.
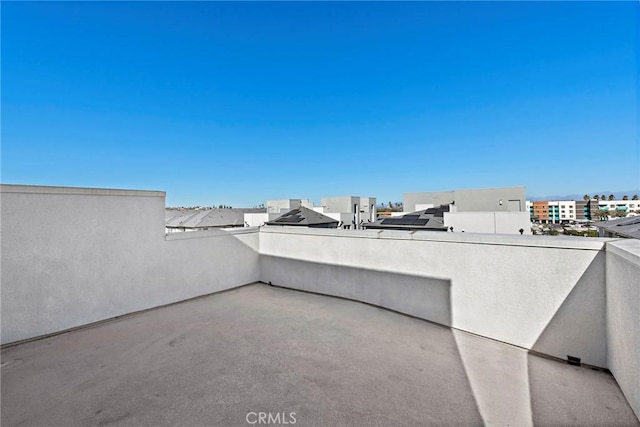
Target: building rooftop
{"points": [[426, 219], [215, 359], [624, 227], [304, 217], [79, 270], [206, 218]]}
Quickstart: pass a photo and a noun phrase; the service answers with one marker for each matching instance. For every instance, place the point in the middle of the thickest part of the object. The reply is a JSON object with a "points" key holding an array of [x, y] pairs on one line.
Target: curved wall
{"points": [[542, 294]]}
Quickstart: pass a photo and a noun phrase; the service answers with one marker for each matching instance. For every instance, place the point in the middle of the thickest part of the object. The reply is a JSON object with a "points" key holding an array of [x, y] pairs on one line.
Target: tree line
{"points": [[611, 197]]}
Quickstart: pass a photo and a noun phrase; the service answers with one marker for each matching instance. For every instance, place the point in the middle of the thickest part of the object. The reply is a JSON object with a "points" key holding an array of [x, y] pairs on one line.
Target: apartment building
{"points": [[558, 211], [619, 205]]}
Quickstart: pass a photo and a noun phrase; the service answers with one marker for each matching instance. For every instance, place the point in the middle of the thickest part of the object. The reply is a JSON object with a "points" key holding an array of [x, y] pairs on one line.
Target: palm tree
{"points": [[612, 197], [596, 197], [625, 197], [619, 213], [635, 197], [603, 197], [586, 197]]}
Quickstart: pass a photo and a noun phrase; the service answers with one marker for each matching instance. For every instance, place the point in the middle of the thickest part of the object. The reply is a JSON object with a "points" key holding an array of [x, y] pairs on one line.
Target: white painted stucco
{"points": [[489, 222], [510, 288], [623, 317], [255, 219], [423, 206], [471, 200], [75, 256]]}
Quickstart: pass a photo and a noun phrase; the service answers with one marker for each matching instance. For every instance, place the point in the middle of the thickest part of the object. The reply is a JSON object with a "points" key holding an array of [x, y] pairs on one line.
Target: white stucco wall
{"points": [[623, 317], [489, 222], [342, 204], [339, 217], [420, 296], [422, 206], [280, 206], [255, 219], [539, 293], [73, 256], [471, 200]]}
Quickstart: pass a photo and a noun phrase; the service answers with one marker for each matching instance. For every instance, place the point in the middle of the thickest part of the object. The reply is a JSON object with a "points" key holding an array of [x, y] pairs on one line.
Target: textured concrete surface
{"points": [[623, 316], [213, 360], [493, 292], [72, 256]]}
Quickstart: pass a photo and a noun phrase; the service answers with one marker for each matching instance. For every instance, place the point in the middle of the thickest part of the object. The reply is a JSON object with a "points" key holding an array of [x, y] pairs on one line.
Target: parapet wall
{"points": [[623, 317], [76, 256], [73, 256], [544, 294]]}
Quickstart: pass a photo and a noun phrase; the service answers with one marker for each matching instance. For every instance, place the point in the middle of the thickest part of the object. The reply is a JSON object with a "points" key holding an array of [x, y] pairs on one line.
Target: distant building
{"points": [[506, 199], [348, 211], [351, 211], [626, 206], [585, 209], [275, 208], [304, 217], [486, 210], [255, 219], [431, 219], [561, 211], [540, 211]]}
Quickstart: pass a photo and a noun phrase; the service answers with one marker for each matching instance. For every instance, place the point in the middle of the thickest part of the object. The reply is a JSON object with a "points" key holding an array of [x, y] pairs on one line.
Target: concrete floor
{"points": [[214, 360]]}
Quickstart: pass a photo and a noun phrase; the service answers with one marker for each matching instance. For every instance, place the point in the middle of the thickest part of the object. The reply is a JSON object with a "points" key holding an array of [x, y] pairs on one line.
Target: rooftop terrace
{"points": [[484, 309], [215, 359]]}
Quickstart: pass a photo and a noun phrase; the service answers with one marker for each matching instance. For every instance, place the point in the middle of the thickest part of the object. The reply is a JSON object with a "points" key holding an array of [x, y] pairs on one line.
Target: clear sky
{"points": [[237, 103]]}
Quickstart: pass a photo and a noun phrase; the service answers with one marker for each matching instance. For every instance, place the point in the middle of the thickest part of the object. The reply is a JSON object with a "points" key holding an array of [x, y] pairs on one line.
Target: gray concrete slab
{"points": [[214, 360]]}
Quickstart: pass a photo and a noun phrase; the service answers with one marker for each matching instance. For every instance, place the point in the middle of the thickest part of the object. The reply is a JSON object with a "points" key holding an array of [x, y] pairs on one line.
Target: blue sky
{"points": [[237, 103]]}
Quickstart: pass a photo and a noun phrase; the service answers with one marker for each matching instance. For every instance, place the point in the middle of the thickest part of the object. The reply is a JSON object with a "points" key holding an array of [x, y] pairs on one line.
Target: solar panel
{"points": [[406, 220], [391, 221], [291, 218]]}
